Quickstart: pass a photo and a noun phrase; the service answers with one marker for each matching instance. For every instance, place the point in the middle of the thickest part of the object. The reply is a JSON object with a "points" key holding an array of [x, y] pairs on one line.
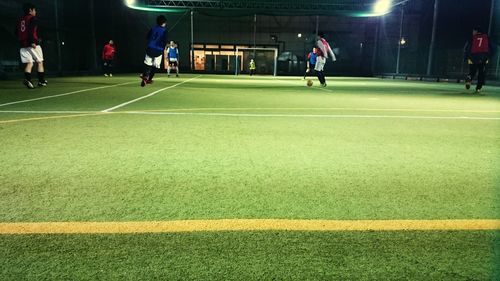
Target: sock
{"points": [[168, 71], [152, 73], [147, 70], [41, 76], [27, 76]]}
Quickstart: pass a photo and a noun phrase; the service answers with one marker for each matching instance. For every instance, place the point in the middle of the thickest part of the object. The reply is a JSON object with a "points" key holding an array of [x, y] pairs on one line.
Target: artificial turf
{"points": [[266, 148], [252, 256]]}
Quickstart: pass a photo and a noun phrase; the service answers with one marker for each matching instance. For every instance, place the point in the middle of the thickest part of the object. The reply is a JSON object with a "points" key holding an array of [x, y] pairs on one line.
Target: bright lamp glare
{"points": [[130, 2], [382, 7]]}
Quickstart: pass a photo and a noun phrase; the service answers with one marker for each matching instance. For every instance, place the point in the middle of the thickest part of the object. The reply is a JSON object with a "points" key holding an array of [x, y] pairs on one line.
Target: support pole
{"points": [[433, 38], [375, 47], [498, 63], [491, 16], [317, 26], [58, 39], [92, 37], [255, 30], [400, 38], [192, 41]]}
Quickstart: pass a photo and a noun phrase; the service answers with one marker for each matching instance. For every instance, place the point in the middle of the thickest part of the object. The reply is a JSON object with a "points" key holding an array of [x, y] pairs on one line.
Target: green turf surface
{"points": [[251, 256], [359, 149]]}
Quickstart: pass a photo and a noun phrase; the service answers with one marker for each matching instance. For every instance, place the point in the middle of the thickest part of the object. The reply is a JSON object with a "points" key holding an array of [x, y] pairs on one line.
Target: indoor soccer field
{"points": [[212, 177]]}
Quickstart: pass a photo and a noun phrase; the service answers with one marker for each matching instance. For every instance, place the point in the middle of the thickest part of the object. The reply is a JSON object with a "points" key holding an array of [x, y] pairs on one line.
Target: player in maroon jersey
{"points": [[477, 52], [108, 54], [31, 52], [324, 52]]}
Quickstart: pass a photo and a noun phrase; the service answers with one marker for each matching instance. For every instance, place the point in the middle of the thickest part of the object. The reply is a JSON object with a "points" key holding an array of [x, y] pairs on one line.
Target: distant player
{"points": [[324, 52], [477, 52], [31, 51], [311, 61], [173, 58], [157, 40], [253, 67], [108, 54]]}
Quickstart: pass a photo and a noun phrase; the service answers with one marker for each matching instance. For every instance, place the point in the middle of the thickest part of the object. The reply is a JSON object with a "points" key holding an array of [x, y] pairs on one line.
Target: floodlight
{"points": [[299, 35], [130, 2], [402, 42], [382, 7]]}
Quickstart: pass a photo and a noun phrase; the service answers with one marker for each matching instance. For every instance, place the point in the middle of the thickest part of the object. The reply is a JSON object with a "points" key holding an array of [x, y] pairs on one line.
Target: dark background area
{"points": [[85, 26]]}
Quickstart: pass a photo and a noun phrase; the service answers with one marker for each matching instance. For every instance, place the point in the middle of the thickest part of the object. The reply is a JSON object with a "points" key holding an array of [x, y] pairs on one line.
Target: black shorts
{"points": [[172, 63]]}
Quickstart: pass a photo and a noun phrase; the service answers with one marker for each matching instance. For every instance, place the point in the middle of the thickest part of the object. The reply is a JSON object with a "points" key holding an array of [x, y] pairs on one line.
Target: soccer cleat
{"points": [[143, 80], [28, 84], [42, 83], [478, 91], [177, 75], [323, 85], [468, 82]]}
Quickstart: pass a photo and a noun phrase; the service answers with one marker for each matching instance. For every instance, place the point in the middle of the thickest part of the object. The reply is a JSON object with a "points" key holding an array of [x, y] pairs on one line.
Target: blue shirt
{"points": [[312, 58], [172, 53], [157, 39]]}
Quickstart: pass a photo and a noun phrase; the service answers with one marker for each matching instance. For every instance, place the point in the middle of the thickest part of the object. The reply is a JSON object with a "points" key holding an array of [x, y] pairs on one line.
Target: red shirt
{"points": [[108, 52], [27, 31], [480, 44]]}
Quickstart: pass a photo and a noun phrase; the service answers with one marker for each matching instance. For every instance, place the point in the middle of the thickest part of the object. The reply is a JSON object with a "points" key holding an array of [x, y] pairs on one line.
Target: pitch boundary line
{"points": [[148, 95], [338, 116], [49, 117], [177, 226], [250, 115], [47, 112], [326, 108], [259, 109], [65, 94]]}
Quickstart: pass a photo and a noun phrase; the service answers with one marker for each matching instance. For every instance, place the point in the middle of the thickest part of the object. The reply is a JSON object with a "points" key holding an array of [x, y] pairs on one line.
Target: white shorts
{"points": [[156, 62], [29, 54], [320, 64]]}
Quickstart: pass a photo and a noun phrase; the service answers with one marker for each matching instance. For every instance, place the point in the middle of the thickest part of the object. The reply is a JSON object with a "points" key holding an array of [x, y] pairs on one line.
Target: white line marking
{"points": [[65, 94], [324, 108], [46, 112], [312, 115], [266, 108], [147, 96]]}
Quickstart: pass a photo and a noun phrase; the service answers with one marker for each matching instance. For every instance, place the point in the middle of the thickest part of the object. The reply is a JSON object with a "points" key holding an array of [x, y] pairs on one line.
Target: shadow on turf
{"points": [[464, 94]]}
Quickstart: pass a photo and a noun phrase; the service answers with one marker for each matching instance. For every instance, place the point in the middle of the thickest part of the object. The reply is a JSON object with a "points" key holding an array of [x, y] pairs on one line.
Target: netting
{"points": [[366, 45], [265, 60]]}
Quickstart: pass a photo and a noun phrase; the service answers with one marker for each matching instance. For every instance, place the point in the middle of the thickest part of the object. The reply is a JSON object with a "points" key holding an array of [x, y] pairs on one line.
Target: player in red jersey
{"points": [[108, 54], [477, 52], [324, 52], [31, 52]]}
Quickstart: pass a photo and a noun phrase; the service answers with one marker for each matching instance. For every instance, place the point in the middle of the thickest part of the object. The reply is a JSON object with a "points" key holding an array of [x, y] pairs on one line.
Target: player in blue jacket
{"points": [[157, 39]]}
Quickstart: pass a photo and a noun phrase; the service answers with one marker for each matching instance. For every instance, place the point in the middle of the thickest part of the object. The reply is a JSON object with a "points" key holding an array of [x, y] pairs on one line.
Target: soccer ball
{"points": [[309, 83]]}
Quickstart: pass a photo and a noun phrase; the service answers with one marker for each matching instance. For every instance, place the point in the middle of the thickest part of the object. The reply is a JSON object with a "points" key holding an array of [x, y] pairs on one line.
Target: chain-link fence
{"points": [[74, 33]]}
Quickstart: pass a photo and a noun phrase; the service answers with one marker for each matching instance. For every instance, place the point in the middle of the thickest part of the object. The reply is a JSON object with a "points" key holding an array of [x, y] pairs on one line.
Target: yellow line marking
{"points": [[244, 225], [48, 117]]}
